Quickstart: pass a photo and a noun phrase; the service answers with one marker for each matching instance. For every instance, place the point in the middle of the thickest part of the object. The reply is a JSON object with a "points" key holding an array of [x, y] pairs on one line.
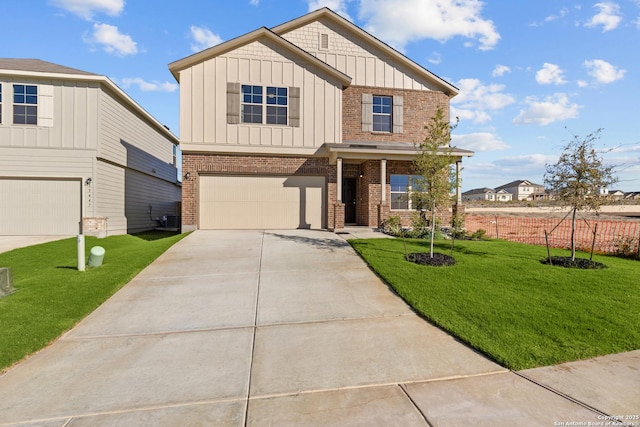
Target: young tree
{"points": [[576, 178], [433, 165]]}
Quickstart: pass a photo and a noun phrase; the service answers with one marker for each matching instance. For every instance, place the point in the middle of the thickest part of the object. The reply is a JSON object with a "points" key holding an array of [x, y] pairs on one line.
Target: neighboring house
{"points": [[632, 195], [616, 194], [487, 194], [524, 190], [310, 124], [78, 155]]}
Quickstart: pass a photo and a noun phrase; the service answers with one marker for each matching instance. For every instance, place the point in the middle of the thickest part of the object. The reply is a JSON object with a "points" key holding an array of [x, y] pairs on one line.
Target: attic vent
{"points": [[324, 41]]}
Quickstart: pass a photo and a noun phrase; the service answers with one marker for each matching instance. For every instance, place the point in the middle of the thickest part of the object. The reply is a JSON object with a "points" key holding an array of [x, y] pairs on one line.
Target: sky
{"points": [[532, 74]]}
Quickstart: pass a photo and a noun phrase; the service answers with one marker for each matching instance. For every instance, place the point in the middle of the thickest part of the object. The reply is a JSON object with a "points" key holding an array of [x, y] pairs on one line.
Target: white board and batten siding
{"points": [[203, 100], [262, 202], [366, 64], [134, 170]]}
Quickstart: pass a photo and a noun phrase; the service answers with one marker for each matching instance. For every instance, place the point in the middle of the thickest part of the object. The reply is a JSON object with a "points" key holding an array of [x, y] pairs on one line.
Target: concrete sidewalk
{"points": [[287, 328]]}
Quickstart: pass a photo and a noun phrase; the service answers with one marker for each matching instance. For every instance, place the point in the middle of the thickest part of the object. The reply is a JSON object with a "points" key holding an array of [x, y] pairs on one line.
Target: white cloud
{"points": [[399, 22], [550, 74], [480, 141], [608, 17], [203, 38], [500, 70], [476, 100], [86, 9], [145, 86], [112, 40], [525, 163], [338, 6], [254, 2], [604, 72], [582, 83], [552, 108], [435, 58], [563, 12]]}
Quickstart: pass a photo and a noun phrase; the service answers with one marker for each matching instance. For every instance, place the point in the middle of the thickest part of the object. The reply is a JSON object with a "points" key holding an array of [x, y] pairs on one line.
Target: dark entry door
{"points": [[349, 200]]}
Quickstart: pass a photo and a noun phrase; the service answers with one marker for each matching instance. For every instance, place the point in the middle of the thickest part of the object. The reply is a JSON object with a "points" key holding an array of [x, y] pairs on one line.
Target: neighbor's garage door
{"points": [[262, 202], [39, 207]]}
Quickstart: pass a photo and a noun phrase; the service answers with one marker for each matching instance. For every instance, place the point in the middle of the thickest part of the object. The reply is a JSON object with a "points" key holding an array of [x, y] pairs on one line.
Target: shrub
{"points": [[392, 226], [627, 246], [479, 234]]}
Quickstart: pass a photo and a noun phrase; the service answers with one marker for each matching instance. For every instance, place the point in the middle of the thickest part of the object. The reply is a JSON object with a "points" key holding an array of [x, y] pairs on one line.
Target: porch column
{"points": [[458, 182], [339, 180], [383, 180]]}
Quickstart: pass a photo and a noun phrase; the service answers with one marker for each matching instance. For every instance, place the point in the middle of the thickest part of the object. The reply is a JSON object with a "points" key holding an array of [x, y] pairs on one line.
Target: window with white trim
{"points": [[402, 188], [382, 113], [25, 104], [264, 108]]}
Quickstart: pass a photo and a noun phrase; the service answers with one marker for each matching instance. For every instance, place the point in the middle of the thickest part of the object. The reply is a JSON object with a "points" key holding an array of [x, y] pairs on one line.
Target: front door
{"points": [[349, 200]]}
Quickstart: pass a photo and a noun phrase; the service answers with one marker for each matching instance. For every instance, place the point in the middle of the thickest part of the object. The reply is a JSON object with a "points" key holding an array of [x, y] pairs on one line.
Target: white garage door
{"points": [[40, 207], [262, 202]]}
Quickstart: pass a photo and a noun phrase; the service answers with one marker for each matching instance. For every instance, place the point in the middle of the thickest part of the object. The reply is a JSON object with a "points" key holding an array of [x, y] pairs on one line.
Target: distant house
{"points": [[487, 194], [616, 194], [632, 195], [524, 190], [77, 154]]}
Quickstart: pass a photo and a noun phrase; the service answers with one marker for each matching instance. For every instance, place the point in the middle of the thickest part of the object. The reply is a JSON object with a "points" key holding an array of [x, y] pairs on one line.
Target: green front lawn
{"points": [[500, 299], [52, 295]]}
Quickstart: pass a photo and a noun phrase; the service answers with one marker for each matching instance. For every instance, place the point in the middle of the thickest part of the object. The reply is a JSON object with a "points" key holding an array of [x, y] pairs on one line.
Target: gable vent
{"points": [[324, 41]]}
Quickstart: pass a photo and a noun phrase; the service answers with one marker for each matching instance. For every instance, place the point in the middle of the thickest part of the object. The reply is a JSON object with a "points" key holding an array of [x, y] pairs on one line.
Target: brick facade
{"points": [[197, 164], [419, 107]]}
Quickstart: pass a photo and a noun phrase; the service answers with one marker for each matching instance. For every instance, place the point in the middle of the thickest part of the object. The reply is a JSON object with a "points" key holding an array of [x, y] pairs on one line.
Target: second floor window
{"points": [[382, 113], [25, 104], [264, 106]]}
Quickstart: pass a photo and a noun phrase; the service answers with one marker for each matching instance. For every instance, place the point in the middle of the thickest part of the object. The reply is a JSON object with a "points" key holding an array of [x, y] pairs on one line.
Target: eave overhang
{"points": [[260, 33], [367, 150]]}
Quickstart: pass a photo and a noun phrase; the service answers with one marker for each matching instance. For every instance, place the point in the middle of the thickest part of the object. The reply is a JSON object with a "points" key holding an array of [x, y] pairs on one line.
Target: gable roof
{"points": [[518, 183], [39, 66], [325, 12], [48, 70], [263, 32], [483, 190]]}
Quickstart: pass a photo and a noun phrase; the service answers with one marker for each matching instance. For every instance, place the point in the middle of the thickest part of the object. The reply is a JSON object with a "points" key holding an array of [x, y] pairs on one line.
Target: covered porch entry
{"points": [[363, 176]]}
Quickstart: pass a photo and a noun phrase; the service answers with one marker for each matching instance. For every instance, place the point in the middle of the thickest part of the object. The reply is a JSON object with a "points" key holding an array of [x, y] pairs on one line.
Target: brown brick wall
{"points": [[419, 107]]}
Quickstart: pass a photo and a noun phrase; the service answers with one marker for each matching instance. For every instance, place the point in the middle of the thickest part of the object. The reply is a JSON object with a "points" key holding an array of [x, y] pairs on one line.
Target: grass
{"points": [[52, 295], [501, 300]]}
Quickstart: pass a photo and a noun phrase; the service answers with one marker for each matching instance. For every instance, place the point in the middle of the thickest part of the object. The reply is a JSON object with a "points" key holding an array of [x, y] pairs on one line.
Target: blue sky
{"points": [[531, 73]]}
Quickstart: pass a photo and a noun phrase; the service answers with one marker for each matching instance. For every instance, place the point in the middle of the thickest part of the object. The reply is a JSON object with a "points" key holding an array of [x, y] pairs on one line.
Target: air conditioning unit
{"points": [[173, 221]]}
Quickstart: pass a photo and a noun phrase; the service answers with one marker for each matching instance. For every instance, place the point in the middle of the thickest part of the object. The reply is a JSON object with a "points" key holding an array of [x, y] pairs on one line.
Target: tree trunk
{"points": [[433, 229], [573, 235]]}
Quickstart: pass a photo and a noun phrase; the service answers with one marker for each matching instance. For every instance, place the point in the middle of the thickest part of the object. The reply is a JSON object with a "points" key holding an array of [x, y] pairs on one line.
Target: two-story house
{"points": [[524, 190], [310, 124], [78, 155]]}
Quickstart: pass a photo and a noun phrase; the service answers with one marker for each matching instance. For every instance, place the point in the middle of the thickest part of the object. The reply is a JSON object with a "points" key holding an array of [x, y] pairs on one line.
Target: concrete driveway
{"points": [[283, 328]]}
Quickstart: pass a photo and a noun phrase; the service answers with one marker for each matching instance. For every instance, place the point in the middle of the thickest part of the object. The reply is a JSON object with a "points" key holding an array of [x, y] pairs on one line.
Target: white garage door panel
{"points": [[46, 207], [262, 202]]}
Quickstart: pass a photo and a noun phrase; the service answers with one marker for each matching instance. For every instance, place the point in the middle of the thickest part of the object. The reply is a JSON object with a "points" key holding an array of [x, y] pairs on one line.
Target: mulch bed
{"points": [[438, 260], [567, 262]]}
